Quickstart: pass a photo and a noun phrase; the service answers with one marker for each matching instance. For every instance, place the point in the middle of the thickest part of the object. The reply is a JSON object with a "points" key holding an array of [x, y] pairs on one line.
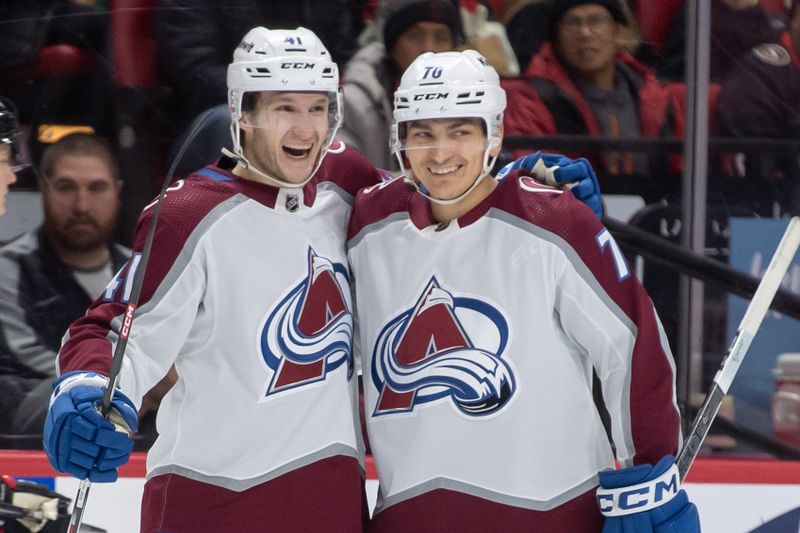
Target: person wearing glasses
{"points": [[590, 86]]}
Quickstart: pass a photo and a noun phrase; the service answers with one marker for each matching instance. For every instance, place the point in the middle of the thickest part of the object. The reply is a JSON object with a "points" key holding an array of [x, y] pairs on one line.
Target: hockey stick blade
{"points": [[76, 518], [748, 327]]}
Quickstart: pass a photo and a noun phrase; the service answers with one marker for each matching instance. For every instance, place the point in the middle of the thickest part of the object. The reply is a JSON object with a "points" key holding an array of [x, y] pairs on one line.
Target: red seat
{"points": [[773, 6], [654, 19], [54, 61]]}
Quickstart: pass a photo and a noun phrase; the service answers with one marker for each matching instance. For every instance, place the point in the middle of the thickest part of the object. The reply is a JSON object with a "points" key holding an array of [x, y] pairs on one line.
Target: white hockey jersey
{"points": [[247, 293], [478, 340]]}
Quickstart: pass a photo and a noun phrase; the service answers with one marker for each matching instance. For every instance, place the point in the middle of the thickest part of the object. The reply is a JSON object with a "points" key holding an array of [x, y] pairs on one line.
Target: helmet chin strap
{"points": [[271, 180], [487, 167]]}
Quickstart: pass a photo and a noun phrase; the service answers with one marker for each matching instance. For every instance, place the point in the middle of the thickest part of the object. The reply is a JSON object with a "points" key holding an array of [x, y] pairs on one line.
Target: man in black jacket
{"points": [[50, 275], [761, 98]]}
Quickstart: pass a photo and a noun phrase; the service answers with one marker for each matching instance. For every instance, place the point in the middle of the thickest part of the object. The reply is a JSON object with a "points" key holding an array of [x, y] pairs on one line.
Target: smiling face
{"points": [[446, 155], [285, 134], [587, 40], [7, 176]]}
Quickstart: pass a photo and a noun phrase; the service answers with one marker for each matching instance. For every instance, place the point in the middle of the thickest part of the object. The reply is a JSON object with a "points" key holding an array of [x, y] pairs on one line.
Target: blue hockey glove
{"points": [[77, 439], [560, 171], [646, 499]]}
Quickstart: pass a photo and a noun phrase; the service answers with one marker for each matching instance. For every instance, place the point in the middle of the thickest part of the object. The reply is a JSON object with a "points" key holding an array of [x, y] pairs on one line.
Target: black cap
{"points": [[400, 15], [560, 7]]}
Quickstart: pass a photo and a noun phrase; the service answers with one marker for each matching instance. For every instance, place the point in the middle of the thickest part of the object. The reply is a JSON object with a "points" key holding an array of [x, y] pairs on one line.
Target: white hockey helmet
{"points": [[282, 61], [449, 85], [10, 135]]}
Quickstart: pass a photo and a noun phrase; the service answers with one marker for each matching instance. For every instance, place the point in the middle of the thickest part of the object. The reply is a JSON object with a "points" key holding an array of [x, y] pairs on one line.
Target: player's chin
{"points": [[445, 188], [297, 171], [444, 193], [296, 176]]}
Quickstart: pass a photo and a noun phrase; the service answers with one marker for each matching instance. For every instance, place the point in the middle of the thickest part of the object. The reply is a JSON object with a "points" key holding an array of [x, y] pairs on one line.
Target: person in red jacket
{"points": [[587, 85]]}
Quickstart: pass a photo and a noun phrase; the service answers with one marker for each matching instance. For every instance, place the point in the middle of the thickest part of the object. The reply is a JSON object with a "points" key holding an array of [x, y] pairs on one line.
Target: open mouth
{"points": [[297, 152]]}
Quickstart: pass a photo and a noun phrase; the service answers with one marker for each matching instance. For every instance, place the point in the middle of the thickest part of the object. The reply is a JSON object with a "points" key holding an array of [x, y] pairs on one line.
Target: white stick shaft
{"points": [[759, 305], [753, 316]]}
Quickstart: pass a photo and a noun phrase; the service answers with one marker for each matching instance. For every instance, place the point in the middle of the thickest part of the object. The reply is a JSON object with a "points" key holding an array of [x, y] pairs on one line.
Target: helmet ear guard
{"points": [[450, 85], [282, 61]]}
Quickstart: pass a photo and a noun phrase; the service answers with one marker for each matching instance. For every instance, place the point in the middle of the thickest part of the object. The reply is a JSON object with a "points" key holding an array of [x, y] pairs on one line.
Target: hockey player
{"points": [[484, 308], [11, 157], [246, 293]]}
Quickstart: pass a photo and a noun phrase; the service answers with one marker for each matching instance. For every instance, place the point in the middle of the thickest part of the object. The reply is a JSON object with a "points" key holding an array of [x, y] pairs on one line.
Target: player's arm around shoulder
{"points": [[376, 202], [551, 206], [348, 169]]}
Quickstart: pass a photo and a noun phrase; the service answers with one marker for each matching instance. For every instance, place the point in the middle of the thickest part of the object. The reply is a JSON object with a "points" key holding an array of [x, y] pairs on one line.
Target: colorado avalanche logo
{"points": [[310, 331], [425, 354]]}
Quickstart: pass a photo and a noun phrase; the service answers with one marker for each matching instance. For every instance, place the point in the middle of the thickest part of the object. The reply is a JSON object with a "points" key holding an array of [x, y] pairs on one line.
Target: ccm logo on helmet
{"points": [[430, 96], [297, 65]]}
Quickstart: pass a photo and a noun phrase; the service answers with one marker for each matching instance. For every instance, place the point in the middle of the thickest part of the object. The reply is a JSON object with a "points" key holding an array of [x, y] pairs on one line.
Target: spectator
{"points": [[761, 98], [528, 22], [50, 275], [590, 87], [408, 28], [736, 27], [195, 43]]}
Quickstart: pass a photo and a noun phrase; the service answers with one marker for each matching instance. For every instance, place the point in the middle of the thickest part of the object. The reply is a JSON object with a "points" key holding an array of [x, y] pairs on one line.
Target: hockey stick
{"points": [[748, 327], [136, 288]]}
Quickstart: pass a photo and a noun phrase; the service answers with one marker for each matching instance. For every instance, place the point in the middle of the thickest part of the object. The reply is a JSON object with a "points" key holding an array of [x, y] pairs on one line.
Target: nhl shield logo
{"points": [[427, 354], [309, 332], [292, 202]]}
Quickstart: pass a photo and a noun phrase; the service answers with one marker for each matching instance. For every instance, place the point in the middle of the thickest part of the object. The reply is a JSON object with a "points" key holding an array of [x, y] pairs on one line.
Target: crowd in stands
{"points": [[599, 69]]}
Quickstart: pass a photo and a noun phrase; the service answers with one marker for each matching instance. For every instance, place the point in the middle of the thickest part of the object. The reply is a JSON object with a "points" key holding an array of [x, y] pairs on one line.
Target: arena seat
{"points": [[54, 61], [654, 19]]}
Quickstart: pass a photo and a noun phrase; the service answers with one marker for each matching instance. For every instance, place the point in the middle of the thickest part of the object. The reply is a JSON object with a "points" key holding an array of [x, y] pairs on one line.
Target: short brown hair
{"points": [[80, 144]]}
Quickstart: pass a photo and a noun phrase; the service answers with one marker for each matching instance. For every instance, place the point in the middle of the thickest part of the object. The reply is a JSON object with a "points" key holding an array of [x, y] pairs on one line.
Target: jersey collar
{"points": [[419, 208]]}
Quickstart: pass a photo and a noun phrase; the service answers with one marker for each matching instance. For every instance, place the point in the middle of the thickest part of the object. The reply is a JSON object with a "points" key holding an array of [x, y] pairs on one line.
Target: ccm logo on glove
{"points": [[642, 497]]}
